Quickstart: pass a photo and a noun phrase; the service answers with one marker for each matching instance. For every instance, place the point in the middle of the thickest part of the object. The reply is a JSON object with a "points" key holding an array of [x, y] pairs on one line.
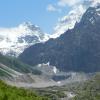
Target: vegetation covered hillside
{"points": [[90, 90], [12, 93]]}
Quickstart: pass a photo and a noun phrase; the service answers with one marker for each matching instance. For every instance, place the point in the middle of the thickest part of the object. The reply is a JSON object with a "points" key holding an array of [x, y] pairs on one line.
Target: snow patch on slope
{"points": [[54, 69], [47, 69]]}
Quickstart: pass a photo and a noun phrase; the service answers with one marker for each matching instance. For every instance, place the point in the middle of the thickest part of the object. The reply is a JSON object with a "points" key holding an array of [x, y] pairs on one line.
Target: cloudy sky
{"points": [[44, 13]]}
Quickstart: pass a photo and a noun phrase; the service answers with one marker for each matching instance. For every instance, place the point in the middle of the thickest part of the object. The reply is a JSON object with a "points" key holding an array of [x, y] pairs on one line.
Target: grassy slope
{"points": [[17, 65], [12, 93]]}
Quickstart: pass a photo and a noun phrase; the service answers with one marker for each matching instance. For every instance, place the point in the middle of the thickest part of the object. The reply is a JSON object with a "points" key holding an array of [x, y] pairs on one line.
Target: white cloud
{"points": [[71, 3], [68, 2], [95, 2], [51, 8]]}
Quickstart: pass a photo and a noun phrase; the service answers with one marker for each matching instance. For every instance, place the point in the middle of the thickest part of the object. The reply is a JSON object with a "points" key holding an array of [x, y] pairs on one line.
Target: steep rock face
{"points": [[76, 50], [13, 41]]}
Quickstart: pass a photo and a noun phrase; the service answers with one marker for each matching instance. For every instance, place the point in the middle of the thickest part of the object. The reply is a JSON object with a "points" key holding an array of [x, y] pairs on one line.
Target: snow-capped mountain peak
{"points": [[29, 26], [91, 16], [75, 15], [68, 21], [14, 40]]}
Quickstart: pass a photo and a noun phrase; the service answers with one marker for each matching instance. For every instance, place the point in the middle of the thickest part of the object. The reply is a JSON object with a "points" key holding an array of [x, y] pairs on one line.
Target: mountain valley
{"points": [[35, 65]]}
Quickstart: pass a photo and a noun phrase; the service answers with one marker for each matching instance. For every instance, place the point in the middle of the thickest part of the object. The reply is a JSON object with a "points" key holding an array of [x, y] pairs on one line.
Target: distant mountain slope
{"points": [[12, 65], [13, 70], [76, 50], [16, 73], [6, 71], [13, 41]]}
